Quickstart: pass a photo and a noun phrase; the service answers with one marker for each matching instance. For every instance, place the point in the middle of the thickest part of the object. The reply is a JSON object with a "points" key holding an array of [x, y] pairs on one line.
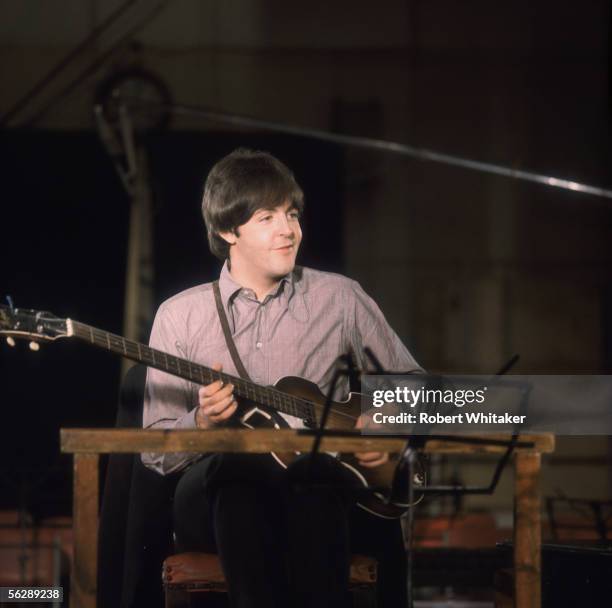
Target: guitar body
{"points": [[342, 416]]}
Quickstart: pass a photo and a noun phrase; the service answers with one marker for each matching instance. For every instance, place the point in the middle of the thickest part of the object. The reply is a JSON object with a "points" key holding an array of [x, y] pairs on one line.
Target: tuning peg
{"points": [[34, 346], [10, 341]]}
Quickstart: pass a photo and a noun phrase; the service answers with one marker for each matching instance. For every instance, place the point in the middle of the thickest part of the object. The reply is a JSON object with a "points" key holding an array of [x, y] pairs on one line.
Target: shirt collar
{"points": [[229, 288]]}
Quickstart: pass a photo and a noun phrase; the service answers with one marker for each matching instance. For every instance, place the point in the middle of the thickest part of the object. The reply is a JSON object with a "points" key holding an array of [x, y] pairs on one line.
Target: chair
{"points": [[185, 574]]}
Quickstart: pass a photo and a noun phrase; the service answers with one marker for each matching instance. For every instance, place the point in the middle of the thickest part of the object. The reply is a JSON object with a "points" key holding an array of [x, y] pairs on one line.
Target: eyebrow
{"points": [[292, 207]]}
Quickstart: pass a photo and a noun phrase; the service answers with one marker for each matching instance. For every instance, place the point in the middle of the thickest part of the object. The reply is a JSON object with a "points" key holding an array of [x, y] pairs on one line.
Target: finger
{"points": [[364, 422], [225, 414], [370, 464], [374, 458], [210, 389], [215, 391], [368, 455], [218, 408], [221, 394]]}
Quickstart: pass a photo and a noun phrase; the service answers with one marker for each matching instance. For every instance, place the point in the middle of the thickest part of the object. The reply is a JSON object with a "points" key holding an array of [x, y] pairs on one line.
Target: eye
{"points": [[265, 218], [294, 215]]}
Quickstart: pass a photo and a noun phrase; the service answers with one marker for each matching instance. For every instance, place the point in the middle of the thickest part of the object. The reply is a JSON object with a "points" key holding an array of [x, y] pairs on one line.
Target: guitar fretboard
{"points": [[199, 374]]}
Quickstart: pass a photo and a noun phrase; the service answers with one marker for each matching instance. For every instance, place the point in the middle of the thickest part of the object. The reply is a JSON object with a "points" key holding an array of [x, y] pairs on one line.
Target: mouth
{"points": [[285, 249]]}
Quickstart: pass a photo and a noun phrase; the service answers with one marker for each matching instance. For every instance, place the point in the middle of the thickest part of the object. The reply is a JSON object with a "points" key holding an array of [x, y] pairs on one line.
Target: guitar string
{"points": [[296, 405]]}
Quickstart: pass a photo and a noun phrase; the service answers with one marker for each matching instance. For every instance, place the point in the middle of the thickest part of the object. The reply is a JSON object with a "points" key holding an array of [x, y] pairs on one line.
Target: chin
{"points": [[282, 269]]}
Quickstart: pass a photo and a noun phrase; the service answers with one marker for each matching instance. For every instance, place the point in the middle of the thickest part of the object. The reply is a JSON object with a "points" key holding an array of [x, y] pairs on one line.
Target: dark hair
{"points": [[237, 186]]}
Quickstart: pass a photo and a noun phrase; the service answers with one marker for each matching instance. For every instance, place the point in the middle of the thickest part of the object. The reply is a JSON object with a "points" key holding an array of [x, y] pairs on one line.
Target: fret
{"points": [[275, 399], [139, 353], [290, 407], [281, 404], [238, 387], [287, 404], [91, 336], [296, 409]]}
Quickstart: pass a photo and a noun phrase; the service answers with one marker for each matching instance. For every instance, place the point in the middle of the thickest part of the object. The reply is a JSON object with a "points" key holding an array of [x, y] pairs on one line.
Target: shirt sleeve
{"points": [[169, 402], [368, 328]]}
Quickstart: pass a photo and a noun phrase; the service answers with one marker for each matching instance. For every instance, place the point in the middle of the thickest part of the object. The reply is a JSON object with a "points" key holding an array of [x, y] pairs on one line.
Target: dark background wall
{"points": [[64, 249]]}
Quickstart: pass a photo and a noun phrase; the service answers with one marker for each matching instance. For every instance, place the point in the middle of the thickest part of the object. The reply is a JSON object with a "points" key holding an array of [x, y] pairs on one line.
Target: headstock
{"points": [[34, 325]]}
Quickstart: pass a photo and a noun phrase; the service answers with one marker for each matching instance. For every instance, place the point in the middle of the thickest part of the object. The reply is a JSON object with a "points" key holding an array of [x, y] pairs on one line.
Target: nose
{"points": [[284, 226]]}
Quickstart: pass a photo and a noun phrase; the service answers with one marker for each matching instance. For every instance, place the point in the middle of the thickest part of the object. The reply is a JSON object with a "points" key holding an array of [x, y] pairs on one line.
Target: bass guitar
{"points": [[258, 406]]}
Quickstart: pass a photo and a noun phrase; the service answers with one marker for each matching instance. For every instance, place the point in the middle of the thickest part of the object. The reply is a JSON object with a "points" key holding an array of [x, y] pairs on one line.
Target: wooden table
{"points": [[88, 444]]}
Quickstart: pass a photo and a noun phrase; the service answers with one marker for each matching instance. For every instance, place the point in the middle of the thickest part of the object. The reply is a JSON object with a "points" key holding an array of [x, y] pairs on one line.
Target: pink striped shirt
{"points": [[299, 330]]}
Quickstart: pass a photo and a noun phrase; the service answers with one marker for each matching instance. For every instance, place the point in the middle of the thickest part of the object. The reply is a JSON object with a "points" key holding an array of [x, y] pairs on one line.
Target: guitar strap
{"points": [[228, 334]]}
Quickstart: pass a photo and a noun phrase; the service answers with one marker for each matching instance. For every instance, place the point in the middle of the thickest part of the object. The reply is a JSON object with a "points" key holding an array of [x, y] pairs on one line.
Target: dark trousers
{"points": [[285, 537]]}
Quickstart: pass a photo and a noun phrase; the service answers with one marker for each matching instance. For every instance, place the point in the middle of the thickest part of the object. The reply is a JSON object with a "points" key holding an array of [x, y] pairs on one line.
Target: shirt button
{"points": [[258, 345]]}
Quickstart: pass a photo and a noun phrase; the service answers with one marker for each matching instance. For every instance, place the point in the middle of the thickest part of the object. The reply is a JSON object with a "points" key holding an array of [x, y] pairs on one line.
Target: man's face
{"points": [[267, 245]]}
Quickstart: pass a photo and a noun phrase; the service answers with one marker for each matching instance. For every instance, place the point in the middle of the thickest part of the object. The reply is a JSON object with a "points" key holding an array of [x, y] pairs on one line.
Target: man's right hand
{"points": [[216, 402]]}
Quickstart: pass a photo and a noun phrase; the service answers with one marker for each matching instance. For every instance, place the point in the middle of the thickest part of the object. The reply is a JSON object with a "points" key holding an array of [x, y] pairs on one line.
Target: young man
{"points": [[278, 546]]}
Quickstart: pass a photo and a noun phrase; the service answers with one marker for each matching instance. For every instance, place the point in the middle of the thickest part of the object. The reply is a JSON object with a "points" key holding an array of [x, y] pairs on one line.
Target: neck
{"points": [[245, 277]]}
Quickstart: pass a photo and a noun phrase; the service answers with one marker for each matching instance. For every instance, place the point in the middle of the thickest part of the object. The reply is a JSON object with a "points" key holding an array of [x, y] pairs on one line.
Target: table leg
{"points": [[83, 585], [527, 531]]}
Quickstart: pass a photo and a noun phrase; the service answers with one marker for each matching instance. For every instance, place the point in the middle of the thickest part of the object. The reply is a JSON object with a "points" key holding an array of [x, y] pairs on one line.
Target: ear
{"points": [[228, 237]]}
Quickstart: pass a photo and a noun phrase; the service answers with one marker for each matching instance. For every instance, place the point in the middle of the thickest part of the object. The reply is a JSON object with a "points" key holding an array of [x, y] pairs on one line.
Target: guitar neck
{"points": [[199, 374]]}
